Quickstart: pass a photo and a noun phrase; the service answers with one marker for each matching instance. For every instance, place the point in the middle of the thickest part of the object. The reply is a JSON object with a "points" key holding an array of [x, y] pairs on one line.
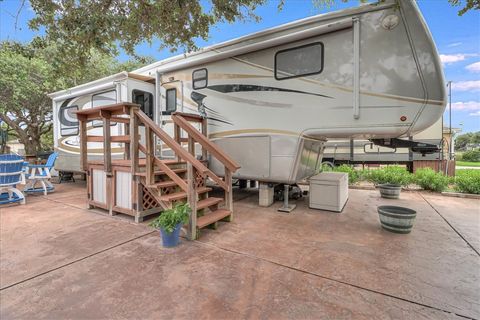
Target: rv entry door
{"points": [[171, 93]]}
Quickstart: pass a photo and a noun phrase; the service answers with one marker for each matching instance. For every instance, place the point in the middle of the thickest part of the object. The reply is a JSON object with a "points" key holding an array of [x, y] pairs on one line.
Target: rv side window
{"points": [[200, 78], [68, 121], [103, 99], [171, 101], [145, 100], [300, 61]]}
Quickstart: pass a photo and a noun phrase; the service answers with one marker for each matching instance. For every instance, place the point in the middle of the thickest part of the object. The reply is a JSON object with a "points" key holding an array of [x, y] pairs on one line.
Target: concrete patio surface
{"points": [[59, 260]]}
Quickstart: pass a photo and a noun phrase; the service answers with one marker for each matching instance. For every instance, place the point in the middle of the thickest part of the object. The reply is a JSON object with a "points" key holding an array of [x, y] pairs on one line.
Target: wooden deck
{"points": [[142, 182]]}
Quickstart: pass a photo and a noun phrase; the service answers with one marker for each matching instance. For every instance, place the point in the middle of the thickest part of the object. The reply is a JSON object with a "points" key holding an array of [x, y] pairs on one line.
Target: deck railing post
{"points": [[191, 145], [107, 156], [83, 145], [134, 140], [177, 135], [126, 153], [149, 166], [192, 201], [107, 146], [229, 193], [205, 133], [133, 130]]}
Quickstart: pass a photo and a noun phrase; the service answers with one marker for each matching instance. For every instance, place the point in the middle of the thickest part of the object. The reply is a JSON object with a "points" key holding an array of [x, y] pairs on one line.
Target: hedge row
{"points": [[467, 181]]}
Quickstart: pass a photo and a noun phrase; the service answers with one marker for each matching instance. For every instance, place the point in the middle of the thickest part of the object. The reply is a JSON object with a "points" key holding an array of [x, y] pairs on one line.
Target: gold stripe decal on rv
{"points": [[348, 89], [259, 130], [275, 131]]}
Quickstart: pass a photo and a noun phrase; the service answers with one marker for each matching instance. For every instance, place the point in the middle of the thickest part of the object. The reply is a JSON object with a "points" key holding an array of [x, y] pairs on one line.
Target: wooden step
{"points": [[172, 161], [164, 184], [205, 203], [212, 217], [182, 195], [179, 170], [121, 139]]}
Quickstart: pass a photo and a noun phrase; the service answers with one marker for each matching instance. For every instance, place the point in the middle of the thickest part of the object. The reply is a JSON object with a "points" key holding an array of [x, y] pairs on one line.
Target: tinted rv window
{"points": [[68, 120], [171, 101], [103, 99], [300, 61], [145, 100], [200, 78]]}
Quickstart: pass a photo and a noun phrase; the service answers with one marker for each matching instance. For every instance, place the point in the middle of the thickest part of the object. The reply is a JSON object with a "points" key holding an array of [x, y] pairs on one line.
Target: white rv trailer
{"points": [[274, 97]]}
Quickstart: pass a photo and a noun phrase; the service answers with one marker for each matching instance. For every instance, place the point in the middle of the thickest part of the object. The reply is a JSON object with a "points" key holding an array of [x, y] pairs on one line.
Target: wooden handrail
{"points": [[169, 172], [207, 144], [189, 116], [169, 141]]}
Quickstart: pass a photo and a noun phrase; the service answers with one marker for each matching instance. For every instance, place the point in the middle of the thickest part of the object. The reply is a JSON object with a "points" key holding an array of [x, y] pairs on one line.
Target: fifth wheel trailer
{"points": [[273, 98]]}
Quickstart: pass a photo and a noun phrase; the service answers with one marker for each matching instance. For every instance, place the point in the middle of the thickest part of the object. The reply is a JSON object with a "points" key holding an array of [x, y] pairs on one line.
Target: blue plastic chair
{"points": [[10, 175], [40, 174]]}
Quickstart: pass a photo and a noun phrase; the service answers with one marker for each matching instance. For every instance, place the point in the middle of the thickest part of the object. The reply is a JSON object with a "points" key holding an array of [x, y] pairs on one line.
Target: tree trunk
{"points": [[31, 146]]}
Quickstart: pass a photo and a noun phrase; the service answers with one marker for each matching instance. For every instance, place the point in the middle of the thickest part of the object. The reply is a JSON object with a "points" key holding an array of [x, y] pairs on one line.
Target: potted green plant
{"points": [[170, 222]]}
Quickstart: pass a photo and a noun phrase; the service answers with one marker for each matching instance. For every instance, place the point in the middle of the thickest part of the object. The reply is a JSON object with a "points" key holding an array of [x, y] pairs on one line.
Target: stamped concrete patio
{"points": [[59, 260]]}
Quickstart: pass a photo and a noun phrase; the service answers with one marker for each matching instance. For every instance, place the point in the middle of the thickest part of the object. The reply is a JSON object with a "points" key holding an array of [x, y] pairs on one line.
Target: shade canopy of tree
{"points": [[465, 139], [80, 26], [465, 5], [28, 74]]}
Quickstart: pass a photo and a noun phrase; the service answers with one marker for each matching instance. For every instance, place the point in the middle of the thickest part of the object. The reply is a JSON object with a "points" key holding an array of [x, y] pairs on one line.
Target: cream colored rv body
{"points": [[273, 98]]}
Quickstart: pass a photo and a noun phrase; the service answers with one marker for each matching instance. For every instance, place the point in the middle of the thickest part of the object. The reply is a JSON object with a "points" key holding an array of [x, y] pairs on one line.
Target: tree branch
{"points": [[21, 133], [22, 4]]}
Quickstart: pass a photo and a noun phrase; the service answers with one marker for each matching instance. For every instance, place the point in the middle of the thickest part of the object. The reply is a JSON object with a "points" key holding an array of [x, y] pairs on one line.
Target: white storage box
{"points": [[329, 191]]}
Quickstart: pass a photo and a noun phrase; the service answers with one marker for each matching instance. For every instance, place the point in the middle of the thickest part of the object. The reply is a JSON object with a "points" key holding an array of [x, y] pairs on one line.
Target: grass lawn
{"points": [[468, 164]]}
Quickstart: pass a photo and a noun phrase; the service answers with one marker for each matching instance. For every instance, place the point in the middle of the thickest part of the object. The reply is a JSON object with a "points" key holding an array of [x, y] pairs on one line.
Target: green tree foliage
{"points": [[467, 5], [29, 73], [80, 26], [463, 140], [471, 156], [24, 106]]}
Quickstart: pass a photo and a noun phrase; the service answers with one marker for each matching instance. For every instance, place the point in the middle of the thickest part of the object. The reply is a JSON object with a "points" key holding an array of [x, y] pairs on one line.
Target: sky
{"points": [[457, 39]]}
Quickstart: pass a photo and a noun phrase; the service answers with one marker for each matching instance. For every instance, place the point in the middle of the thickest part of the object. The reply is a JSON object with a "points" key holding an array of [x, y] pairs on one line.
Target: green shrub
{"points": [[352, 173], [471, 156], [170, 218], [363, 174], [428, 179], [468, 181], [390, 174], [327, 167]]}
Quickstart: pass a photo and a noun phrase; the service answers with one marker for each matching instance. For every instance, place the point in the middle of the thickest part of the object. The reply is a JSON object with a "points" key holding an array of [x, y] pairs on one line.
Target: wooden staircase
{"points": [[183, 179]]}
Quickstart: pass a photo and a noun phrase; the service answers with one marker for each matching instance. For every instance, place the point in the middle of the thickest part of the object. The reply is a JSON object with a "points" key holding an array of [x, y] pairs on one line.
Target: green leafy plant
{"points": [[363, 175], [471, 156], [170, 218], [428, 179], [390, 174], [467, 181], [353, 176]]}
